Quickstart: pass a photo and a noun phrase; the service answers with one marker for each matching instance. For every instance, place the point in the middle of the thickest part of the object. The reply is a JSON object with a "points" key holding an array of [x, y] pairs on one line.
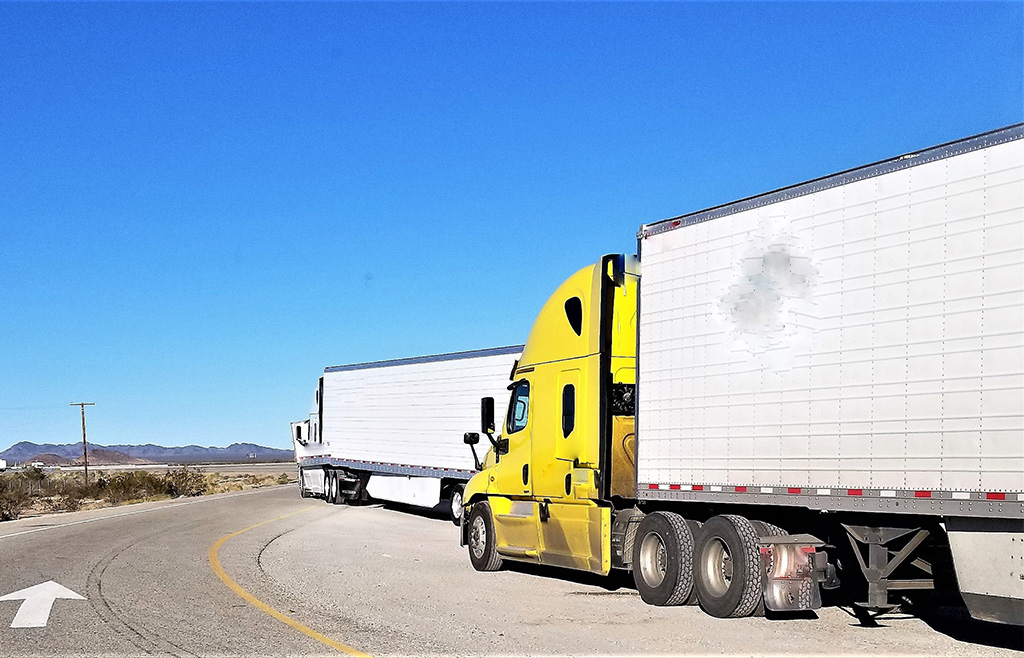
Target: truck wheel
{"points": [[770, 529], [335, 497], [663, 559], [694, 532], [303, 491], [482, 550], [765, 529], [455, 508], [727, 567]]}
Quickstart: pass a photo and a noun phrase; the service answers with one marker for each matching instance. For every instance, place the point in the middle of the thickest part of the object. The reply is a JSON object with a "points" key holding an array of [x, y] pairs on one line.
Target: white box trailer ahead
{"points": [[854, 344], [392, 430], [820, 387]]}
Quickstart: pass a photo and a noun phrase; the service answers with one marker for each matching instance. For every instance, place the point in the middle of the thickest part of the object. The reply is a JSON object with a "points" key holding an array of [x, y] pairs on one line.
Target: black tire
{"points": [[303, 491], [483, 553], [455, 507], [663, 559], [727, 567], [765, 529], [694, 532], [336, 498], [768, 529]]}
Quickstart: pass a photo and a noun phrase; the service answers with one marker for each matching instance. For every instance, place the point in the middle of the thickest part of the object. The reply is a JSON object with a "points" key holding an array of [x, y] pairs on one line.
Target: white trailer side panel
{"points": [[867, 335], [412, 412]]}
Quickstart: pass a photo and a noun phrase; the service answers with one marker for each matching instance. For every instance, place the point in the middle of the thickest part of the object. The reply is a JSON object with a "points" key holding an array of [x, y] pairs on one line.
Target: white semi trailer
{"points": [[392, 430]]}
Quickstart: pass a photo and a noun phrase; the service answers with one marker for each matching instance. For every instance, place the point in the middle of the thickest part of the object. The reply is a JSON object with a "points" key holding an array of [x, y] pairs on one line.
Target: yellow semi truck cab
{"points": [[565, 446]]}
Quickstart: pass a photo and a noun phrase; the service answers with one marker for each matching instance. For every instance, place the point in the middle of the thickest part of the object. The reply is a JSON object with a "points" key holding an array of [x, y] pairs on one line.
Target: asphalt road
{"points": [[311, 578]]}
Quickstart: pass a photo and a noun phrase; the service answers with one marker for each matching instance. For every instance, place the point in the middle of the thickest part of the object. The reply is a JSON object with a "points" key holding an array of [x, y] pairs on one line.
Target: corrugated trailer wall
{"points": [[864, 331], [412, 411]]}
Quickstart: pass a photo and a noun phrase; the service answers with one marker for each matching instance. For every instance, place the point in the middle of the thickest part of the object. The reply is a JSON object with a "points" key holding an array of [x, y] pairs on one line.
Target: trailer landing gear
{"points": [[881, 562]]}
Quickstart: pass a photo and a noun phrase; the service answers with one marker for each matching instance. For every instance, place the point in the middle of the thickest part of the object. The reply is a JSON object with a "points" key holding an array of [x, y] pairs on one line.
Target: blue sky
{"points": [[203, 205]]}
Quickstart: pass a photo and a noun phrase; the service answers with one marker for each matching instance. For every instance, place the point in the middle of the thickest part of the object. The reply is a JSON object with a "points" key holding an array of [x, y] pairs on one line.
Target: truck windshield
{"points": [[519, 408]]}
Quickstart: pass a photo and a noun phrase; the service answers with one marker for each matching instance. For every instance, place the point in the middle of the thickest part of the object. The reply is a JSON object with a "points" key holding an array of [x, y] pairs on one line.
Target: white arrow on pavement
{"points": [[35, 611]]}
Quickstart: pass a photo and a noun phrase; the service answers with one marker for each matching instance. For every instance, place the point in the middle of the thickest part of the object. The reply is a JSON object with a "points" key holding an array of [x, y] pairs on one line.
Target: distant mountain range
{"points": [[123, 454]]}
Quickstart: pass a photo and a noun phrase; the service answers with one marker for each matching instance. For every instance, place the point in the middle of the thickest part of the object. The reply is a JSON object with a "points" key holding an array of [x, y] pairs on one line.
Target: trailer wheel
{"points": [[694, 532], [483, 553], [455, 508], [663, 559], [303, 491], [335, 497], [727, 567]]}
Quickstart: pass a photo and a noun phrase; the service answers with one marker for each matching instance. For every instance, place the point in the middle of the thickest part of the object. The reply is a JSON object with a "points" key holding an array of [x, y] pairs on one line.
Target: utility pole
{"points": [[85, 447]]}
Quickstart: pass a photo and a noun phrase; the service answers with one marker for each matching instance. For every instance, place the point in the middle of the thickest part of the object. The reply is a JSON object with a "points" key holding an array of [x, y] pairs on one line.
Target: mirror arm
{"points": [[476, 460]]}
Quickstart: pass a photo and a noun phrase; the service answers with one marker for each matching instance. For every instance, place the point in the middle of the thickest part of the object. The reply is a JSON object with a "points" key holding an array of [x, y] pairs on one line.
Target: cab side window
{"points": [[519, 408], [568, 410]]}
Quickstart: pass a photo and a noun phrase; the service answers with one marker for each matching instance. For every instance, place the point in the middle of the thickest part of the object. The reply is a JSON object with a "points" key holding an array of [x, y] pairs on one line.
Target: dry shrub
{"points": [[14, 498], [185, 481], [136, 485]]}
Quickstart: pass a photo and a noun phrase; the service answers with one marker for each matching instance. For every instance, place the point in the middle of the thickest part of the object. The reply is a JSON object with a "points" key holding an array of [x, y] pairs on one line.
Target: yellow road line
{"points": [[237, 589]]}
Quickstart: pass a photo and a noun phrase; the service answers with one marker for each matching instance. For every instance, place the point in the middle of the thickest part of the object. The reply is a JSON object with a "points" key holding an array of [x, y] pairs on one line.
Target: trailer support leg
{"points": [[882, 561]]}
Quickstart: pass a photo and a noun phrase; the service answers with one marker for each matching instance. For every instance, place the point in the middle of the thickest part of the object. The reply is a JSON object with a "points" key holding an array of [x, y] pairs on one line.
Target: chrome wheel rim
{"points": [[478, 537], [653, 559], [457, 504], [718, 566]]}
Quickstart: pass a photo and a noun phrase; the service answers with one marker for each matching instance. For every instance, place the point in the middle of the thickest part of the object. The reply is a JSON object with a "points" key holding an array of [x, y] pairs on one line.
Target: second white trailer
{"points": [[392, 430]]}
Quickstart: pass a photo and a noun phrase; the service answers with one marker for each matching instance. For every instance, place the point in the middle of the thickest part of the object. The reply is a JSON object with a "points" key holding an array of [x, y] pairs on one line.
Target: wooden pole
{"points": [[85, 446]]}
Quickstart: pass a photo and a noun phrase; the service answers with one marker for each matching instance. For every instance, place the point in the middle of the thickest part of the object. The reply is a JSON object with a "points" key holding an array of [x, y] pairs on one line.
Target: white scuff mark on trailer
{"points": [[769, 307]]}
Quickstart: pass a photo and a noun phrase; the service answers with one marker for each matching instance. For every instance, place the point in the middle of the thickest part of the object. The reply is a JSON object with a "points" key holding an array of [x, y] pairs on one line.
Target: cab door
{"points": [[516, 520], [573, 526]]}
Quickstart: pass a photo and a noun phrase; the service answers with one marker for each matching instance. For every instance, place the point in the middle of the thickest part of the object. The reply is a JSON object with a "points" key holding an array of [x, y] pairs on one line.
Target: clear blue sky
{"points": [[203, 205]]}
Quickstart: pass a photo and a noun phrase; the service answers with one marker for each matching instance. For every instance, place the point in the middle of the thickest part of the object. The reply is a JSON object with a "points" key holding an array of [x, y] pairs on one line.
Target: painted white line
{"points": [[38, 601], [204, 499]]}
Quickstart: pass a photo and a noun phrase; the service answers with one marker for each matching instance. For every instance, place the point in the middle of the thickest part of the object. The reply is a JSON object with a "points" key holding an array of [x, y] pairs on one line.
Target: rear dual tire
{"points": [[718, 564], [663, 559], [333, 493], [727, 567]]}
